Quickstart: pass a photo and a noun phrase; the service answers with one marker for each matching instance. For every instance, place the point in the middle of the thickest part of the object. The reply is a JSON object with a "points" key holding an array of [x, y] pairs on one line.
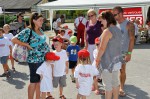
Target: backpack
{"points": [[81, 26]]}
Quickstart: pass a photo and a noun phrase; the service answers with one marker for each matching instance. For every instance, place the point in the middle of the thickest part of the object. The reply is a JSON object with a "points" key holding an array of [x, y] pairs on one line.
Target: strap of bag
{"points": [[29, 36]]}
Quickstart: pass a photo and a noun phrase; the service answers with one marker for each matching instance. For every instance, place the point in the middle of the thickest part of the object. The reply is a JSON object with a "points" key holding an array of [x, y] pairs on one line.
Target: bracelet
{"points": [[129, 53]]}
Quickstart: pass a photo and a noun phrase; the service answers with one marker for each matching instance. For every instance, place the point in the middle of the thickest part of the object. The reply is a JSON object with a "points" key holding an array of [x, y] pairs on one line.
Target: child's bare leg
{"points": [[43, 95], [60, 91], [5, 67], [78, 96], [83, 97], [12, 62]]}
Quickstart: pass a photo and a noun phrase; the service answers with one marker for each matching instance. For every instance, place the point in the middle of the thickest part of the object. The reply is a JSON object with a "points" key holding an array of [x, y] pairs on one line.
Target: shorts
{"points": [[110, 80], [34, 78], [3, 59], [59, 80], [72, 64]]}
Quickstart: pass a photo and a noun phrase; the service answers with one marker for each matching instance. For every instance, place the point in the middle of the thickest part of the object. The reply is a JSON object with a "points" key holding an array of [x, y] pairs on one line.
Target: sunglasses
{"points": [[90, 16], [116, 14], [21, 16]]}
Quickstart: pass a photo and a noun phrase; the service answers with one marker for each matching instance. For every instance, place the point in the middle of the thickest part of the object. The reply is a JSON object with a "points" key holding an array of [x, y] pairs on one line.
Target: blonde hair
{"points": [[91, 11], [6, 25], [84, 61]]}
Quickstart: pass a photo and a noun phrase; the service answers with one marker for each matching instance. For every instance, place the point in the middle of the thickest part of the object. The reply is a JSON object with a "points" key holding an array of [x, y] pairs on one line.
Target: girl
{"points": [[6, 29], [84, 73], [46, 74]]}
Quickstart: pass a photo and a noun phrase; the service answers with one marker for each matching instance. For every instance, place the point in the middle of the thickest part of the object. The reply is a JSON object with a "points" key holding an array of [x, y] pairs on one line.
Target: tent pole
{"points": [[51, 18]]}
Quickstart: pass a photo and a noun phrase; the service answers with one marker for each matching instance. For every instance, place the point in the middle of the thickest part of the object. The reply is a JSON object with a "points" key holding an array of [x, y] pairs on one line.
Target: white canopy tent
{"points": [[95, 4]]}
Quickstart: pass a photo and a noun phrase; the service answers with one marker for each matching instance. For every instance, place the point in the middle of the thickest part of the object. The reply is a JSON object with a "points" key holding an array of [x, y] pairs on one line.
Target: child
{"points": [[84, 73], [46, 73], [8, 35], [95, 84], [72, 51], [5, 50], [61, 66]]}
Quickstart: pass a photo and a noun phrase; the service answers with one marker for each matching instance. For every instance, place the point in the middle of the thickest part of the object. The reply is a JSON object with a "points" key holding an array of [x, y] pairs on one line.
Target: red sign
{"points": [[131, 13]]}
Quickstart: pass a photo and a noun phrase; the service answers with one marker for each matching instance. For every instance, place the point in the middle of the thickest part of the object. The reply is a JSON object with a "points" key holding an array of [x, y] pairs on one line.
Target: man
{"points": [[79, 24], [58, 23], [128, 31], [20, 23]]}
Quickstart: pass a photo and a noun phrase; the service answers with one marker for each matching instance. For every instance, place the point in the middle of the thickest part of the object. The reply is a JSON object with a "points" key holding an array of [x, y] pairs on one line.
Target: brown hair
{"points": [[108, 16], [1, 29], [34, 16], [19, 14], [119, 9], [84, 61]]}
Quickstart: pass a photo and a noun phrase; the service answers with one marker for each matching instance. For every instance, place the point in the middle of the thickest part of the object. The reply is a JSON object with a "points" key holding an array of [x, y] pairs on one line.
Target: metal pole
{"points": [[4, 14]]}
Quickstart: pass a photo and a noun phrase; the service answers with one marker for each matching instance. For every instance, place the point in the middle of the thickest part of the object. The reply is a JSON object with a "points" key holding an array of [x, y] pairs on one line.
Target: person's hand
{"points": [[86, 47], [28, 46], [77, 85], [127, 57], [66, 70]]}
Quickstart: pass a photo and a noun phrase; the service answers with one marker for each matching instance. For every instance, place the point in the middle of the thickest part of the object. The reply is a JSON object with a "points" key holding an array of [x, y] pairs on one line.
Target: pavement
{"points": [[137, 83]]}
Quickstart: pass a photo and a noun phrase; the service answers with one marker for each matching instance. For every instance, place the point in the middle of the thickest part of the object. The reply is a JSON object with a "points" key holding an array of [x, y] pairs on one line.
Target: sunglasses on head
{"points": [[35, 16], [116, 14], [90, 16], [97, 44]]}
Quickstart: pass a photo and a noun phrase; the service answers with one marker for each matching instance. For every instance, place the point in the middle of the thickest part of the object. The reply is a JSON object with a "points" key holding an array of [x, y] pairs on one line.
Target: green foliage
{"points": [[8, 19], [71, 14]]}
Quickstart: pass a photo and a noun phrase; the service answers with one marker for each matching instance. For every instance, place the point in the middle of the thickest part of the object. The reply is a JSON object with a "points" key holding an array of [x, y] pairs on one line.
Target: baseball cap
{"points": [[51, 56], [70, 31], [73, 39], [97, 41], [57, 39], [83, 53]]}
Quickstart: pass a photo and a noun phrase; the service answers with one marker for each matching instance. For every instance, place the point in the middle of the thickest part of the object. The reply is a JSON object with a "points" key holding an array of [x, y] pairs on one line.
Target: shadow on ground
{"points": [[18, 79], [132, 92]]}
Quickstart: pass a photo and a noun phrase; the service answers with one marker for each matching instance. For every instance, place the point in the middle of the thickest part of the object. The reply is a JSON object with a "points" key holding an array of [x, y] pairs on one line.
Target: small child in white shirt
{"points": [[84, 73], [8, 35], [46, 73], [61, 66], [5, 50]]}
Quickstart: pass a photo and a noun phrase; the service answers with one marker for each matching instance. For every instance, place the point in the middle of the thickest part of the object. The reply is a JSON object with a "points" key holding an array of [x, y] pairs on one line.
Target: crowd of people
{"points": [[107, 41]]}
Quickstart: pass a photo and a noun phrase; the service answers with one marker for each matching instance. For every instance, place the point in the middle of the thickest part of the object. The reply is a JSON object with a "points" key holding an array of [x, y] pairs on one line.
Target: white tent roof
{"points": [[86, 4]]}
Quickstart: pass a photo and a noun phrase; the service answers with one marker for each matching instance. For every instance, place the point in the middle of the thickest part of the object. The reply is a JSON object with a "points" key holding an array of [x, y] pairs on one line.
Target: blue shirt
{"points": [[73, 52], [39, 45]]}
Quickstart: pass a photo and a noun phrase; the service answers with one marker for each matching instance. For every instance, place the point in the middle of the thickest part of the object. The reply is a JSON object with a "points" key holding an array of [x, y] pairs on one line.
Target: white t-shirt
{"points": [[85, 78], [57, 21], [66, 34], [60, 65], [46, 71], [136, 29], [95, 52], [9, 36], [80, 18], [4, 47]]}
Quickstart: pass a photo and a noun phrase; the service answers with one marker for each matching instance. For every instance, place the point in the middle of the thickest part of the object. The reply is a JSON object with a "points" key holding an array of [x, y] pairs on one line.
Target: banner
{"points": [[131, 13]]}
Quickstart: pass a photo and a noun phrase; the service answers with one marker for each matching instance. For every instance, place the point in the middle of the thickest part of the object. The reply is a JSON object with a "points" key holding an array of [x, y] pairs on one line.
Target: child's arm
{"points": [[10, 47], [77, 83], [52, 65], [67, 67]]}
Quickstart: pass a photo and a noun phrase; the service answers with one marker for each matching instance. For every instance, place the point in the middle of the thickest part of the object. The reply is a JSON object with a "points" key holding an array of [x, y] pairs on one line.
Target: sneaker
{"points": [[8, 74], [3, 75]]}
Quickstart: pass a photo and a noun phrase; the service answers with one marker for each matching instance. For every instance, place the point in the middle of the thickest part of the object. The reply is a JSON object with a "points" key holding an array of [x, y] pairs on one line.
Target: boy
{"points": [[72, 51], [60, 66], [5, 48]]}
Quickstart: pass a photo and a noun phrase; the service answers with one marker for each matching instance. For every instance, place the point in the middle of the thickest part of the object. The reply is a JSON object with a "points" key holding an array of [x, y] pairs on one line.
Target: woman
{"points": [[37, 49], [93, 30], [109, 55]]}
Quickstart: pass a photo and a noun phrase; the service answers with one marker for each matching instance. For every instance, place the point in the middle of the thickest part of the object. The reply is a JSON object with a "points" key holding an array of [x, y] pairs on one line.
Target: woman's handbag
{"points": [[20, 53]]}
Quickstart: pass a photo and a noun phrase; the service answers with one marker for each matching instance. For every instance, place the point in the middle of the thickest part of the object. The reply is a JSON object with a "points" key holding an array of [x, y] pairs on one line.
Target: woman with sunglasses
{"points": [[37, 49], [93, 30]]}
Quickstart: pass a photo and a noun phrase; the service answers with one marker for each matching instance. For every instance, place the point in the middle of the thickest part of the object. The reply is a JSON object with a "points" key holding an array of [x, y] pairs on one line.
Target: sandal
{"points": [[97, 92], [50, 97], [122, 94], [62, 97], [102, 92]]}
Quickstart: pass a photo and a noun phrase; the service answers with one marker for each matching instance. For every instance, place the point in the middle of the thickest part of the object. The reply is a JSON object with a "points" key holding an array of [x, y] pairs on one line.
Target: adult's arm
{"points": [[85, 39], [131, 32], [105, 37], [16, 41]]}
